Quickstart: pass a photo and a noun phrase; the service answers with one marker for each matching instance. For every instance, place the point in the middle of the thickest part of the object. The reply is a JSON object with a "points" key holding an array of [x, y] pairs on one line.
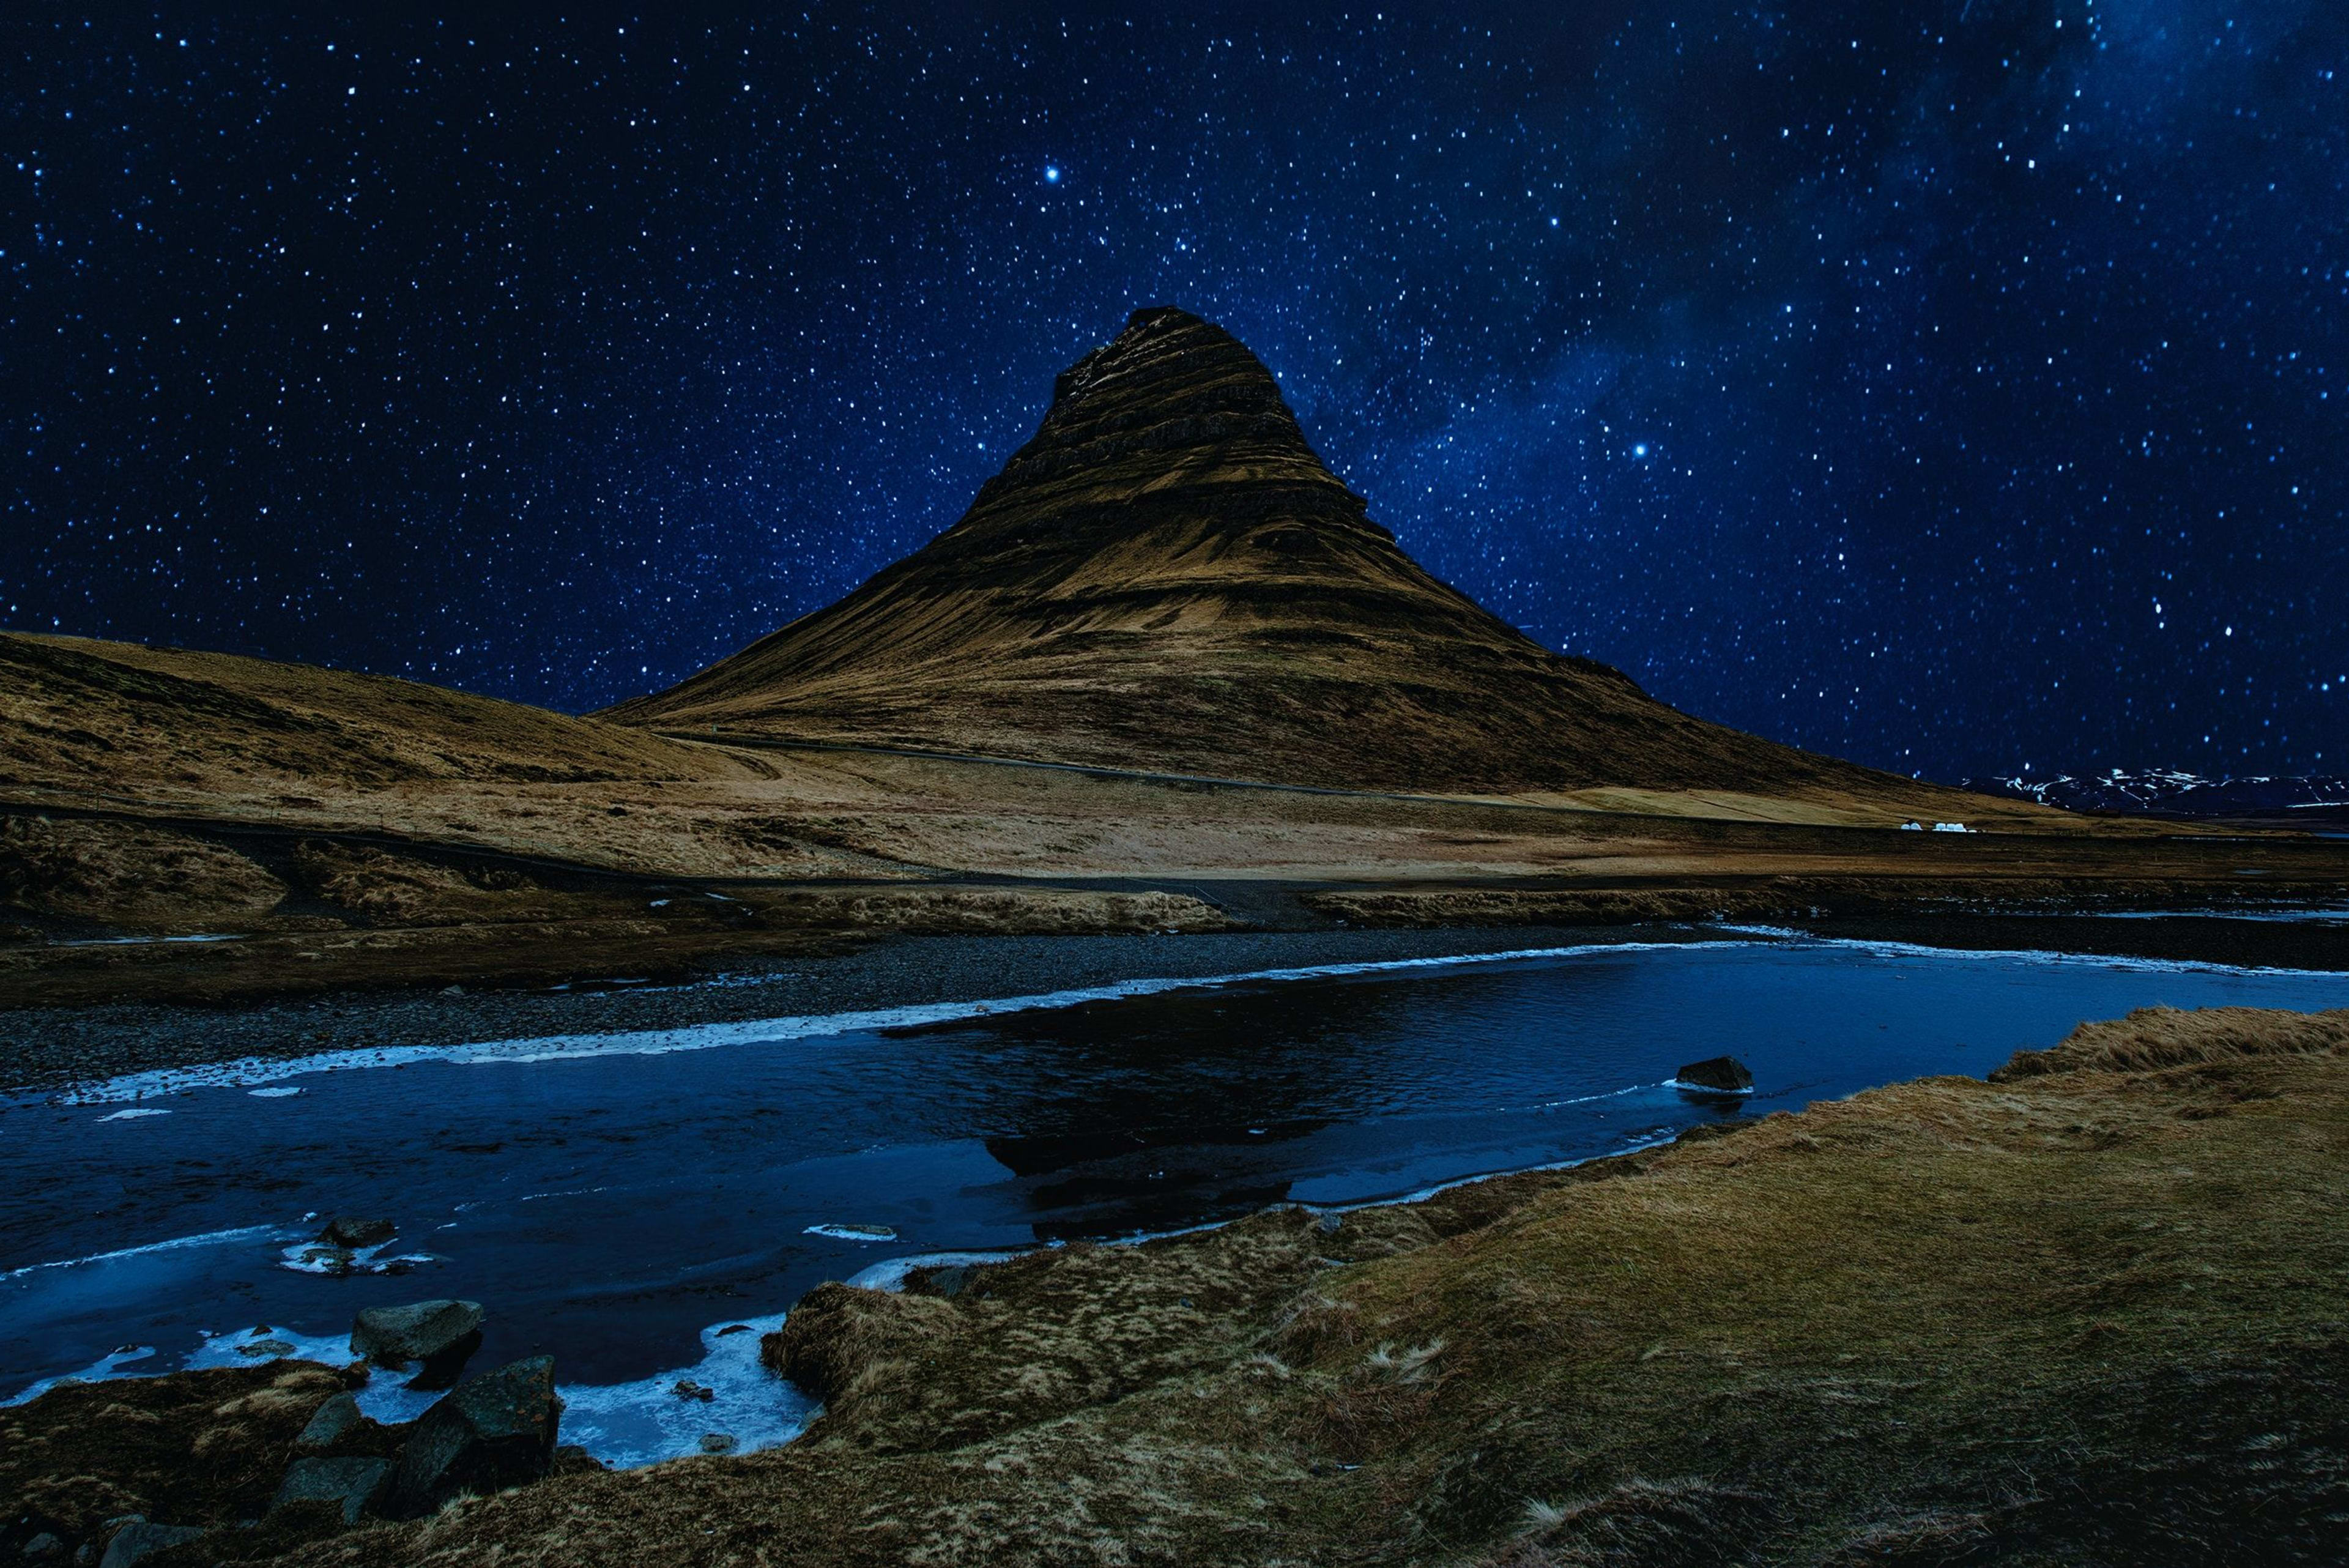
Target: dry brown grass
{"points": [[1640, 1523], [2154, 1038], [394, 890], [147, 791], [199, 1448], [132, 873], [77, 709]]}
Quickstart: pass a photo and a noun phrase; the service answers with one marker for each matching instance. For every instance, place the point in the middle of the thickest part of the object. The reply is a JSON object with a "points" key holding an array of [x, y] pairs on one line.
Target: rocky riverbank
{"points": [[266, 1459], [48, 1048], [2089, 1312]]}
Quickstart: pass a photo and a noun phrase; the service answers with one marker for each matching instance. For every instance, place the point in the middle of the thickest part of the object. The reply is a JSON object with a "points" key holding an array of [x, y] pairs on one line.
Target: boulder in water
{"points": [[352, 1231], [1720, 1074], [421, 1331], [492, 1431]]}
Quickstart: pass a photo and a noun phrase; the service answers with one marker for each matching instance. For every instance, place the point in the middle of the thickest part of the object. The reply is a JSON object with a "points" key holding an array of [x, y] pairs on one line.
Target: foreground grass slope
{"points": [[2089, 1313]]}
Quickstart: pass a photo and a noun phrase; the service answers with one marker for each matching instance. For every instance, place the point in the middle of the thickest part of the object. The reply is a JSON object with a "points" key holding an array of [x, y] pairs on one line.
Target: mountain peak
{"points": [[1166, 578], [1172, 404], [1159, 343], [1156, 337]]}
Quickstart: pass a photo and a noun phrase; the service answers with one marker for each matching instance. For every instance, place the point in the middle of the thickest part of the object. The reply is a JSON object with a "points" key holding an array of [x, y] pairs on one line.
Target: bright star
{"points": [[1640, 449], [1052, 174]]}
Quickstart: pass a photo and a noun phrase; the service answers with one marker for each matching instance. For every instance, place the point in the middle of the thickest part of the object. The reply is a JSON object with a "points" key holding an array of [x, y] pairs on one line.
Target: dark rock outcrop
{"points": [[341, 1488], [140, 1539], [570, 1460], [334, 1420], [492, 1431], [947, 1280], [1722, 1074]]}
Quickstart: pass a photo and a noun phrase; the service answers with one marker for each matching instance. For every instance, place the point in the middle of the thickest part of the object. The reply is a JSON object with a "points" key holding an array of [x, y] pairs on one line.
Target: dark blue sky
{"points": [[1950, 386]]}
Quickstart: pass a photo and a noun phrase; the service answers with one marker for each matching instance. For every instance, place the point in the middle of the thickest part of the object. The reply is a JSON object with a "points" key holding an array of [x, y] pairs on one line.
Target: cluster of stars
{"points": [[1937, 386]]}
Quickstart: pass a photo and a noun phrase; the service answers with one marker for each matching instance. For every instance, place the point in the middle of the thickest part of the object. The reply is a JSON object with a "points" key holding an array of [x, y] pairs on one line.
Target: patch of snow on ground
{"points": [[385, 1395]]}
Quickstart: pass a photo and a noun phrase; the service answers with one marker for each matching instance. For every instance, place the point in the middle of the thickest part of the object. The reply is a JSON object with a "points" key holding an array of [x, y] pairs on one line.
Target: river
{"points": [[622, 1202]]}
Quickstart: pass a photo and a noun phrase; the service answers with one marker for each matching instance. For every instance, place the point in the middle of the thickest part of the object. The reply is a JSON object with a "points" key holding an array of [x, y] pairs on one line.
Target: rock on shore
{"points": [[493, 1431]]}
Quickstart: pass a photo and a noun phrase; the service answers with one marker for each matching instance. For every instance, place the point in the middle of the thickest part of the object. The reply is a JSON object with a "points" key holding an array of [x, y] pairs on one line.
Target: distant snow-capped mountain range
{"points": [[2166, 793]]}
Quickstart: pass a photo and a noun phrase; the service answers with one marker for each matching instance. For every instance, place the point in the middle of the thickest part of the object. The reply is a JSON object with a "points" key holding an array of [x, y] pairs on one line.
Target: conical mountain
{"points": [[1166, 577]]}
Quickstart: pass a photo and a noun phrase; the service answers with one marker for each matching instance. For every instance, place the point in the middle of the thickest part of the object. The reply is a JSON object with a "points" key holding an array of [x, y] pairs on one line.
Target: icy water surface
{"points": [[623, 1211]]}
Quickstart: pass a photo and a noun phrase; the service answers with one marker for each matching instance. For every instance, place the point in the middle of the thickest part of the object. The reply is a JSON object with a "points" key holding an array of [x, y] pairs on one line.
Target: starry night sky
{"points": [[1950, 386]]}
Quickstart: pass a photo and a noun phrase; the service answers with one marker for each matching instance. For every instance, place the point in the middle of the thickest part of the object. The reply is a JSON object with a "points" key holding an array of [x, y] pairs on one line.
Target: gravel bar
{"points": [[46, 1049]]}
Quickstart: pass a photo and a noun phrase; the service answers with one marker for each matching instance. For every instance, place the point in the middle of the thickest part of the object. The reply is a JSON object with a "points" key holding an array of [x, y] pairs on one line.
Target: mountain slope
{"points": [[1167, 577], [79, 713]]}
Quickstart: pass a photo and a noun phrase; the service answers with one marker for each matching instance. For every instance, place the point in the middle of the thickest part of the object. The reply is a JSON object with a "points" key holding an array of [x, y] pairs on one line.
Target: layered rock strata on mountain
{"points": [[1166, 577]]}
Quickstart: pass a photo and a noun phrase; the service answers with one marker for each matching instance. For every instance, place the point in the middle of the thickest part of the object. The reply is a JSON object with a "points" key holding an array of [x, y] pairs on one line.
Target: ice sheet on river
{"points": [[252, 1071]]}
